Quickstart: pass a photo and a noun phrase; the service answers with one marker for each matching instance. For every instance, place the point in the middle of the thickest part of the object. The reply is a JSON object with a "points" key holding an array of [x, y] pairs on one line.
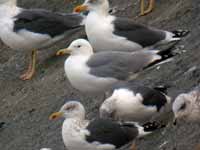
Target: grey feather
{"points": [[120, 65], [46, 22], [141, 34]]}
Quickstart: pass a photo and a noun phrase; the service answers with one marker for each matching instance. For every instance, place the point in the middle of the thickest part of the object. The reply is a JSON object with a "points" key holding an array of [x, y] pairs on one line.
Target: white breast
{"points": [[22, 40], [74, 138], [129, 107], [100, 29], [78, 74]]}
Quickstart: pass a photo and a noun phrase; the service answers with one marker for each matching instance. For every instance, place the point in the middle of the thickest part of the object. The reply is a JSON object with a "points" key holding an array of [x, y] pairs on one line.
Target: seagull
{"points": [[97, 134], [187, 106], [108, 32], [91, 72], [150, 8], [133, 102], [35, 29]]}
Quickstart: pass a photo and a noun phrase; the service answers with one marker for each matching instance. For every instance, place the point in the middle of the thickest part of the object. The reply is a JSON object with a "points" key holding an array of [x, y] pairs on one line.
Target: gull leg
{"points": [[31, 69], [141, 7], [27, 71], [133, 146], [150, 7], [197, 147]]}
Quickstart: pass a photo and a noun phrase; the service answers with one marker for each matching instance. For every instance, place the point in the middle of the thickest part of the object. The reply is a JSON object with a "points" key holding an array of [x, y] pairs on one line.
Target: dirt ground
{"points": [[26, 105]]}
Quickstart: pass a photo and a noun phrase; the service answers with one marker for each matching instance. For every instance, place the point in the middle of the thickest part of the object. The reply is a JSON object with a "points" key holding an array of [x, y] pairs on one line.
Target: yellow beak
{"points": [[55, 115], [63, 52], [80, 8]]}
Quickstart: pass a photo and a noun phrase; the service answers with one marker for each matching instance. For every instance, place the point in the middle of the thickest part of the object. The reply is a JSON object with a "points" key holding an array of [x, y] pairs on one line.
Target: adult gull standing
{"points": [[97, 72], [108, 32], [34, 29]]}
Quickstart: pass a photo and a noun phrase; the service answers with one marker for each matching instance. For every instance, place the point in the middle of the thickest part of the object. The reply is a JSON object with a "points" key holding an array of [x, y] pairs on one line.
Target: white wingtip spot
{"points": [[45, 149]]}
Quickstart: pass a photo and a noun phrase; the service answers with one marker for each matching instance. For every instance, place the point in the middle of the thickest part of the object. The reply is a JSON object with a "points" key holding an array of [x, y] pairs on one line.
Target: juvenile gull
{"points": [[187, 106], [108, 32], [135, 102], [97, 72], [98, 134], [34, 29]]}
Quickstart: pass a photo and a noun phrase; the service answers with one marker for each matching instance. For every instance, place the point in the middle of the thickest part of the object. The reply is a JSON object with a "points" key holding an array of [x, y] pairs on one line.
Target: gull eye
{"points": [[70, 107], [91, 1], [78, 46], [183, 106]]}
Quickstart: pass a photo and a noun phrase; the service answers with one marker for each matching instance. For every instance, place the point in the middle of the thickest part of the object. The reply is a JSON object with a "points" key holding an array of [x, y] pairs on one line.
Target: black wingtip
{"points": [[2, 124], [180, 33], [162, 88], [151, 126]]}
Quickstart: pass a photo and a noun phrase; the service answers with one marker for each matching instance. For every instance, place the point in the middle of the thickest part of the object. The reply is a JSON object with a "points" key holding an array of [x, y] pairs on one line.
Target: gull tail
{"points": [[148, 128], [162, 88], [165, 56], [180, 33], [142, 130]]}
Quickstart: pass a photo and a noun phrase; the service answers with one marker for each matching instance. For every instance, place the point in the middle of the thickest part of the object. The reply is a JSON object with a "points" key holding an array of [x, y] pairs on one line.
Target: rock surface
{"points": [[26, 105]]}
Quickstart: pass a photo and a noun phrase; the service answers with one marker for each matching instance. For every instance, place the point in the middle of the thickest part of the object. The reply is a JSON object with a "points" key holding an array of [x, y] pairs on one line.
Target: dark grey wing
{"points": [[109, 132], [120, 65], [143, 35], [46, 22], [151, 96]]}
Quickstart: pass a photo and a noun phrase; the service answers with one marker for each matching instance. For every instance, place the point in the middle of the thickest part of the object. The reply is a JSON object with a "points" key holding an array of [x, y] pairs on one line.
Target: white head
{"points": [[78, 47], [184, 104], [71, 109], [101, 6], [8, 2], [107, 108], [119, 104], [119, 99]]}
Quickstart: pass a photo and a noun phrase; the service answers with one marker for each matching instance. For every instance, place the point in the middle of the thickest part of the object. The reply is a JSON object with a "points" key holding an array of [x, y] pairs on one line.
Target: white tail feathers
{"points": [[45, 149]]}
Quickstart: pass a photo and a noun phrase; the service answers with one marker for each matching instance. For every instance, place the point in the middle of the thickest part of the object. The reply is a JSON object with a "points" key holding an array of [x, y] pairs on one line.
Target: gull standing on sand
{"points": [[97, 72], [108, 32], [34, 29], [98, 134], [134, 102]]}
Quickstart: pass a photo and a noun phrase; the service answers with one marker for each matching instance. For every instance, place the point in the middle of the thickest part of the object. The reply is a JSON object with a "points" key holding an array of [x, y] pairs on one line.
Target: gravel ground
{"points": [[26, 105]]}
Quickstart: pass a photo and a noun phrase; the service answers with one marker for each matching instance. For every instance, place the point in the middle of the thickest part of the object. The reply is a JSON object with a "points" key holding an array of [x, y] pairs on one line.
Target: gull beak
{"points": [[63, 52], [80, 8], [55, 115]]}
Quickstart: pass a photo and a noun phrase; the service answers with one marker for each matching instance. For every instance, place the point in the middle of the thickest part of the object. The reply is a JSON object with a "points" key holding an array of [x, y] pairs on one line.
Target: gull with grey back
{"points": [[35, 29], [108, 32], [97, 72]]}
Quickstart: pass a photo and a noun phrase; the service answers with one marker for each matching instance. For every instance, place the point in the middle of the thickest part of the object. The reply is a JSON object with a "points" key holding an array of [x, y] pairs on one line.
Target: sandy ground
{"points": [[26, 105]]}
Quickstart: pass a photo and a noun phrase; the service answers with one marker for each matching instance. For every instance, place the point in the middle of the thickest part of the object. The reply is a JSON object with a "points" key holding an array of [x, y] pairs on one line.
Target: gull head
{"points": [[107, 108], [77, 47], [71, 109], [184, 105], [93, 5]]}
